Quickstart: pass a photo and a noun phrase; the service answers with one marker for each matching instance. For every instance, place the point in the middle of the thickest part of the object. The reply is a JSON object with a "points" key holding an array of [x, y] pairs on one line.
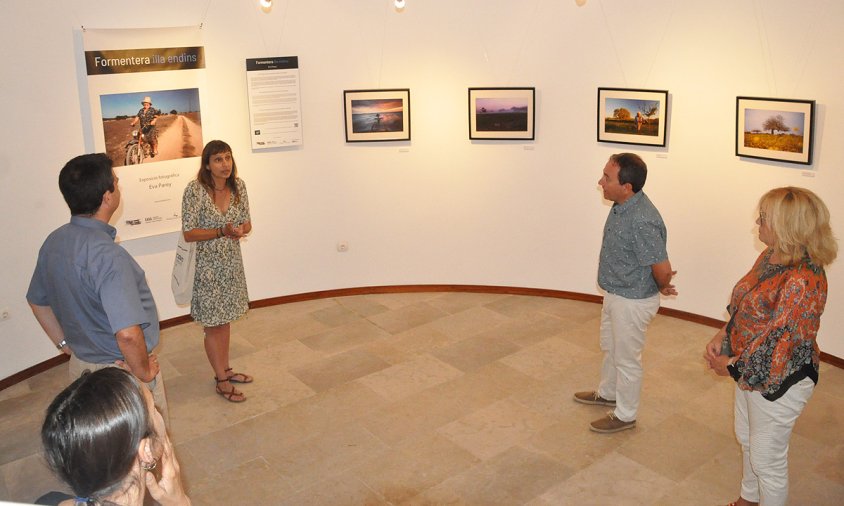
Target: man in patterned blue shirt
{"points": [[633, 270]]}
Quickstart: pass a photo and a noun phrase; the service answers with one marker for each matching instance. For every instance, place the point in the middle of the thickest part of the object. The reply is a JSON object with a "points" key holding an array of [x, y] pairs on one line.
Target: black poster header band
{"points": [[286, 62], [125, 61]]}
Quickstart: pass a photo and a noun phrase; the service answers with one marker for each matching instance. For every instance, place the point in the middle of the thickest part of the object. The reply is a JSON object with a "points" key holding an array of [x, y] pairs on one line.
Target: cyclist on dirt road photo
{"points": [[148, 116]]}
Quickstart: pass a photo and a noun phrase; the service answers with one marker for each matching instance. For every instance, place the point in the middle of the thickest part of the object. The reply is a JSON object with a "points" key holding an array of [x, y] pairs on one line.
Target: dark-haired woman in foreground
{"points": [[769, 345], [215, 215], [103, 437]]}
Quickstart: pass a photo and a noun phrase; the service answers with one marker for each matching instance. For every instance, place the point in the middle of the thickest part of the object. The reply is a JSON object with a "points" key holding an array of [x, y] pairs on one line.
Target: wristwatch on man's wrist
{"points": [[62, 344]]}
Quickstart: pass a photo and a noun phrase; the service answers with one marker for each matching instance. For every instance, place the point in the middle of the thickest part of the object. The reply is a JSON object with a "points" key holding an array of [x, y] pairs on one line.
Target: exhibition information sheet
{"points": [[274, 105]]}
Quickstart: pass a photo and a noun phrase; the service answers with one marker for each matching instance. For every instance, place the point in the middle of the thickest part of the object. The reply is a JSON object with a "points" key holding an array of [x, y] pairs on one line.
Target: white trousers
{"points": [[763, 428], [623, 325]]}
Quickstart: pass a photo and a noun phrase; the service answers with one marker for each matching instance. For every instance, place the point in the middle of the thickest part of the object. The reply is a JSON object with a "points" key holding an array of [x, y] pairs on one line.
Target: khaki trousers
{"points": [[77, 366]]}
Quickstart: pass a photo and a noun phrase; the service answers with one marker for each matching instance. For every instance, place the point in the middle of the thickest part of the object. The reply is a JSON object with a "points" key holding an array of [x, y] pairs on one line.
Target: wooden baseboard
{"points": [[369, 290], [32, 371], [172, 322], [832, 360], [692, 317]]}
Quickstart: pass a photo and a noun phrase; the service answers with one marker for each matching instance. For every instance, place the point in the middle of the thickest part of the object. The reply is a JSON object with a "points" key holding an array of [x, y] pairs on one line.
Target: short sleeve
{"points": [[37, 292], [649, 243], [190, 207], [244, 201], [117, 286]]}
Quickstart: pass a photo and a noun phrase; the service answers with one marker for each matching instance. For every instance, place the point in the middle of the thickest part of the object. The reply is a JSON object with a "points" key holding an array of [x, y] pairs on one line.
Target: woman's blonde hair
{"points": [[799, 221]]}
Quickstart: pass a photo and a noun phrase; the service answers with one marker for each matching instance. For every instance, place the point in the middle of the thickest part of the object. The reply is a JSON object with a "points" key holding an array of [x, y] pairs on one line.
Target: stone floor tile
{"points": [[338, 369], [442, 398]]}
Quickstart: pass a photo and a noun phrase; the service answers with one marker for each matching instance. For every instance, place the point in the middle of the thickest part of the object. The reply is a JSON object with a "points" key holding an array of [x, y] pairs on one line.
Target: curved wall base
{"points": [[368, 290]]}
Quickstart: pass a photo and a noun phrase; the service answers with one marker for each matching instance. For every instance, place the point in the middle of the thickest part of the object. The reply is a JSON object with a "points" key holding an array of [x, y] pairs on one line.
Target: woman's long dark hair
{"points": [[93, 429], [204, 175]]}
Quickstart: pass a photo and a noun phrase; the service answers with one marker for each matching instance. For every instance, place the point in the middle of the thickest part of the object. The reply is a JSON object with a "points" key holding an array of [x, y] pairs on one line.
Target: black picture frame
{"points": [[619, 123], [505, 114], [794, 118], [377, 115]]}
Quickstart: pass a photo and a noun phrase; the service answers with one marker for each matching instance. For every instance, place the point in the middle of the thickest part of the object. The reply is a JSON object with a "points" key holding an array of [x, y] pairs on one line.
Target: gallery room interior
{"points": [[423, 309]]}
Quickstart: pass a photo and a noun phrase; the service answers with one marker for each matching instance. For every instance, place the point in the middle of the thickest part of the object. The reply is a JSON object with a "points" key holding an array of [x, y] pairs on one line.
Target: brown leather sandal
{"points": [[238, 377], [229, 394]]}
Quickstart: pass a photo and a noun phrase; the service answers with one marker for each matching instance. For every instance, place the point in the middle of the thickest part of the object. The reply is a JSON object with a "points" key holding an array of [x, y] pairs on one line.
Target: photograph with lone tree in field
{"points": [[775, 129]]}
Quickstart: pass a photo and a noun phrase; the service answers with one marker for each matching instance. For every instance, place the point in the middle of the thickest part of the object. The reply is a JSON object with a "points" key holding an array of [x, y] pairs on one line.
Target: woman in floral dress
{"points": [[769, 345], [215, 215]]}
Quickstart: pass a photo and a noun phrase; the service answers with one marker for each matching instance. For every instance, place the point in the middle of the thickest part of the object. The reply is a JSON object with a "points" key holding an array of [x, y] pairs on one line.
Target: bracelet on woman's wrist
{"points": [[220, 232]]}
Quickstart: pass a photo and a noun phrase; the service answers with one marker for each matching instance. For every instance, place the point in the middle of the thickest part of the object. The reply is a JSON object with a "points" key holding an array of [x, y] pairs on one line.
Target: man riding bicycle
{"points": [[148, 116]]}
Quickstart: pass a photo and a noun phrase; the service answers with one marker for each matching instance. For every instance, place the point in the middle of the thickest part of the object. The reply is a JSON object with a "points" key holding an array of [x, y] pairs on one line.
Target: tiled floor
{"points": [[443, 398]]}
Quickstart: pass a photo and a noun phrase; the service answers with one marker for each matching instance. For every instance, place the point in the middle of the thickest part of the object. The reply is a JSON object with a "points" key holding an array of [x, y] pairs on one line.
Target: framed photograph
{"points": [[629, 116], [775, 129], [377, 115], [502, 113]]}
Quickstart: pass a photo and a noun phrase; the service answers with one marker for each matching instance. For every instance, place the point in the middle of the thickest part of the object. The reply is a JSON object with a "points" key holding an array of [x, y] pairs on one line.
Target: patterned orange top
{"points": [[775, 314]]}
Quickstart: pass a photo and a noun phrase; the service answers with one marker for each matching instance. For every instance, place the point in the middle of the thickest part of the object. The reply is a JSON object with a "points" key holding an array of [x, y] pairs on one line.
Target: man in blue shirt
{"points": [[87, 292], [633, 270]]}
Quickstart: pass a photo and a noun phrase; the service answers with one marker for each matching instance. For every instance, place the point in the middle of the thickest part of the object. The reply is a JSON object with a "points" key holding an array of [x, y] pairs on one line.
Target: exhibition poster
{"points": [[145, 96]]}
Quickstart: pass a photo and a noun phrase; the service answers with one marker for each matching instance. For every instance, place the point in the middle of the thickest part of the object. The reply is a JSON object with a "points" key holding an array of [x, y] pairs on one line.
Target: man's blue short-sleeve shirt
{"points": [[94, 287], [634, 240]]}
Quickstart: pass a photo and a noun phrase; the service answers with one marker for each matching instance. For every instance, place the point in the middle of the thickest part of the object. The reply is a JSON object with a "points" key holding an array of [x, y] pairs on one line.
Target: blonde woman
{"points": [[769, 345]]}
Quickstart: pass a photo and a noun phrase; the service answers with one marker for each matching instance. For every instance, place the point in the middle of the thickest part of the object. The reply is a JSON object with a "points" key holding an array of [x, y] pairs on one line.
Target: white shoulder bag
{"points": [[183, 270]]}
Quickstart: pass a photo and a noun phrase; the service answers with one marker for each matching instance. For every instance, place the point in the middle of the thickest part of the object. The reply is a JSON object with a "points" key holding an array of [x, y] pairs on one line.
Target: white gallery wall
{"points": [[441, 208]]}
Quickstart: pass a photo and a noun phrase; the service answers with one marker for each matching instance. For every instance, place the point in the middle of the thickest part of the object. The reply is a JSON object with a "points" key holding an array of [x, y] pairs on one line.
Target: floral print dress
{"points": [[219, 286], [145, 117]]}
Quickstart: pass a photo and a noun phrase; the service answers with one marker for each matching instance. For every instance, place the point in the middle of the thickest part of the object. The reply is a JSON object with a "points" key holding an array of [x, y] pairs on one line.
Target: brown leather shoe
{"points": [[609, 424], [593, 398]]}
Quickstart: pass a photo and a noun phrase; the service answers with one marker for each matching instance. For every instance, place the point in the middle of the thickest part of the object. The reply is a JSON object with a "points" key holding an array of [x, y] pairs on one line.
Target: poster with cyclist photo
{"points": [[146, 92], [151, 126]]}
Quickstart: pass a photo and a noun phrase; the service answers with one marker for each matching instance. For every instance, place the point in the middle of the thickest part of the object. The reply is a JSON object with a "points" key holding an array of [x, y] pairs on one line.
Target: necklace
{"points": [[220, 189]]}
